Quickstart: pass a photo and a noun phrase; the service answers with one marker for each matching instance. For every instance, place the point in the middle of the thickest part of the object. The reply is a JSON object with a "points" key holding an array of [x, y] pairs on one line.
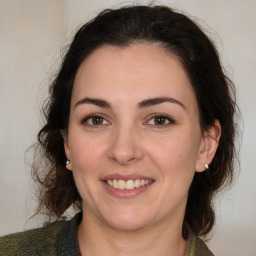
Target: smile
{"points": [[127, 184]]}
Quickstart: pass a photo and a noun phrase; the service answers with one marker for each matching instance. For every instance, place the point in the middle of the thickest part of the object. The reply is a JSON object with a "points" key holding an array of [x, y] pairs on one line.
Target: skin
{"points": [[129, 140]]}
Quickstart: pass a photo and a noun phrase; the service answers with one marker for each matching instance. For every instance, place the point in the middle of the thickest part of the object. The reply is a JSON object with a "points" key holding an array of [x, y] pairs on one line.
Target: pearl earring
{"points": [[206, 166], [67, 162]]}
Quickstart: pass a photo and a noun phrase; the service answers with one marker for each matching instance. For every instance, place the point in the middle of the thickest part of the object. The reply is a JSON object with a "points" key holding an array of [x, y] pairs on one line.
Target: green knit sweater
{"points": [[60, 238]]}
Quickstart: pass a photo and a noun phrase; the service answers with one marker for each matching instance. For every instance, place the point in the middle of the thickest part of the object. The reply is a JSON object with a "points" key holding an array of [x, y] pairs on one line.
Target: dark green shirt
{"points": [[60, 238]]}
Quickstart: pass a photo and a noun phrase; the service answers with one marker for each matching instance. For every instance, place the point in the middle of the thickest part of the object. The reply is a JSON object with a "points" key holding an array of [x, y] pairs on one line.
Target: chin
{"points": [[128, 221]]}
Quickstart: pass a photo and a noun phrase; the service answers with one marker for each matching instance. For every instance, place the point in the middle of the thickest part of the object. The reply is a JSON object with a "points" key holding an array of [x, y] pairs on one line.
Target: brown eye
{"points": [[159, 120], [95, 121]]}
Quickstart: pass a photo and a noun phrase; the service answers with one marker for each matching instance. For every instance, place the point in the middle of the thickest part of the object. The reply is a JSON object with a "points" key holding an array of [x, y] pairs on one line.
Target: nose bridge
{"points": [[125, 146]]}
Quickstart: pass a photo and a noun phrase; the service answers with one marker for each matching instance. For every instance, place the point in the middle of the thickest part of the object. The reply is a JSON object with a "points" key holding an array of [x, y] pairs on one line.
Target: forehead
{"points": [[138, 71]]}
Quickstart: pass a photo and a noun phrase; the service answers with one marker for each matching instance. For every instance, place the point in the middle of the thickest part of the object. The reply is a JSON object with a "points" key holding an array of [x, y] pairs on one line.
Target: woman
{"points": [[139, 136]]}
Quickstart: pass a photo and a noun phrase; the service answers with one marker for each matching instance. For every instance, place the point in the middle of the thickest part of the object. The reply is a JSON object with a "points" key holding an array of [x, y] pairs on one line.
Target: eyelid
{"points": [[170, 119], [87, 117], [154, 115]]}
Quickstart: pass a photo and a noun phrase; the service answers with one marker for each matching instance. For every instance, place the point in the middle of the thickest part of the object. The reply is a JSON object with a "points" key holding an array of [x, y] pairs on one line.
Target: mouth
{"points": [[128, 184]]}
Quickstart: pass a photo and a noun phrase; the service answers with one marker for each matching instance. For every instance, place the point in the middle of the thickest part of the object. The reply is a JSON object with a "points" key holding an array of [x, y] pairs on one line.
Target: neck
{"points": [[159, 239]]}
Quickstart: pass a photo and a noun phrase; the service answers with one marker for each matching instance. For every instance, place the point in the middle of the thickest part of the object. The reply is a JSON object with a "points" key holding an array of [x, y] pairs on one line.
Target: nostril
{"points": [[125, 147], [126, 156]]}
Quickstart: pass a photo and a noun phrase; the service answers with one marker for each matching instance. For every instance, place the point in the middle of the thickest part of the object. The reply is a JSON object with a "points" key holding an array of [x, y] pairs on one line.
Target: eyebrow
{"points": [[142, 104], [97, 102], [155, 101]]}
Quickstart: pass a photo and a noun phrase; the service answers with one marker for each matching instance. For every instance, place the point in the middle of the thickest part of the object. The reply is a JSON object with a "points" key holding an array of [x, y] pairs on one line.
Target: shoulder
{"points": [[197, 247], [201, 248], [40, 241]]}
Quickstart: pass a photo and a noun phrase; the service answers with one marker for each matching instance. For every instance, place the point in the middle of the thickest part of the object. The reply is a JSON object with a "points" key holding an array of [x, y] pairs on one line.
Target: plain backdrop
{"points": [[33, 36]]}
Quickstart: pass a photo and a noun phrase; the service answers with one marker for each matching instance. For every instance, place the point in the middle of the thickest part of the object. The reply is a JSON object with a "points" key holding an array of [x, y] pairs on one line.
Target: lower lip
{"points": [[126, 193]]}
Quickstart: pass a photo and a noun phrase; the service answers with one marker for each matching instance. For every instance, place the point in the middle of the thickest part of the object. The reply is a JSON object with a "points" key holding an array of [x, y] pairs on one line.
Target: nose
{"points": [[125, 146]]}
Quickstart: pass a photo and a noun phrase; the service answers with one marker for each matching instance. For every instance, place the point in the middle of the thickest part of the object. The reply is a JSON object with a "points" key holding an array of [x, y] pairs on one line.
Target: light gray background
{"points": [[32, 32]]}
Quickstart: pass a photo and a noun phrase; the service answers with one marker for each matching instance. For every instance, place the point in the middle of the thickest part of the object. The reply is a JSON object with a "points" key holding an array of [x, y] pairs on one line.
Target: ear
{"points": [[66, 147], [208, 147]]}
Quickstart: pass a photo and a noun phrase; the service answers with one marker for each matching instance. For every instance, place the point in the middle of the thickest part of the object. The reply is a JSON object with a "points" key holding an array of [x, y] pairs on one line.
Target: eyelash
{"points": [[87, 118], [103, 118], [161, 116]]}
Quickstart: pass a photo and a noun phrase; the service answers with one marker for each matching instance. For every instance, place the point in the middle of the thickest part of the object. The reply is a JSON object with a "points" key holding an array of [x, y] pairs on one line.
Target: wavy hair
{"points": [[214, 91]]}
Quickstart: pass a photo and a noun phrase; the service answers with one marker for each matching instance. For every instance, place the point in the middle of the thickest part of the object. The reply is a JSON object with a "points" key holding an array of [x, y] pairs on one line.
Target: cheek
{"points": [[177, 153], [175, 160], [86, 153], [87, 159]]}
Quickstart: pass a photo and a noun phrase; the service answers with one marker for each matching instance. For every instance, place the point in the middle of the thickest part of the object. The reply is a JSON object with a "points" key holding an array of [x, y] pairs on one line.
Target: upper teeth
{"points": [[129, 184]]}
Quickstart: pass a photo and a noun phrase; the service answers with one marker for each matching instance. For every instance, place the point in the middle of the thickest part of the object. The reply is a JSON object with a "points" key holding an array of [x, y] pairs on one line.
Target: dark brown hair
{"points": [[214, 92]]}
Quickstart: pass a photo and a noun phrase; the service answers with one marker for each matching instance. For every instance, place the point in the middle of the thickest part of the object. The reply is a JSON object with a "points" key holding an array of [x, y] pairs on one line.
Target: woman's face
{"points": [[134, 120]]}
